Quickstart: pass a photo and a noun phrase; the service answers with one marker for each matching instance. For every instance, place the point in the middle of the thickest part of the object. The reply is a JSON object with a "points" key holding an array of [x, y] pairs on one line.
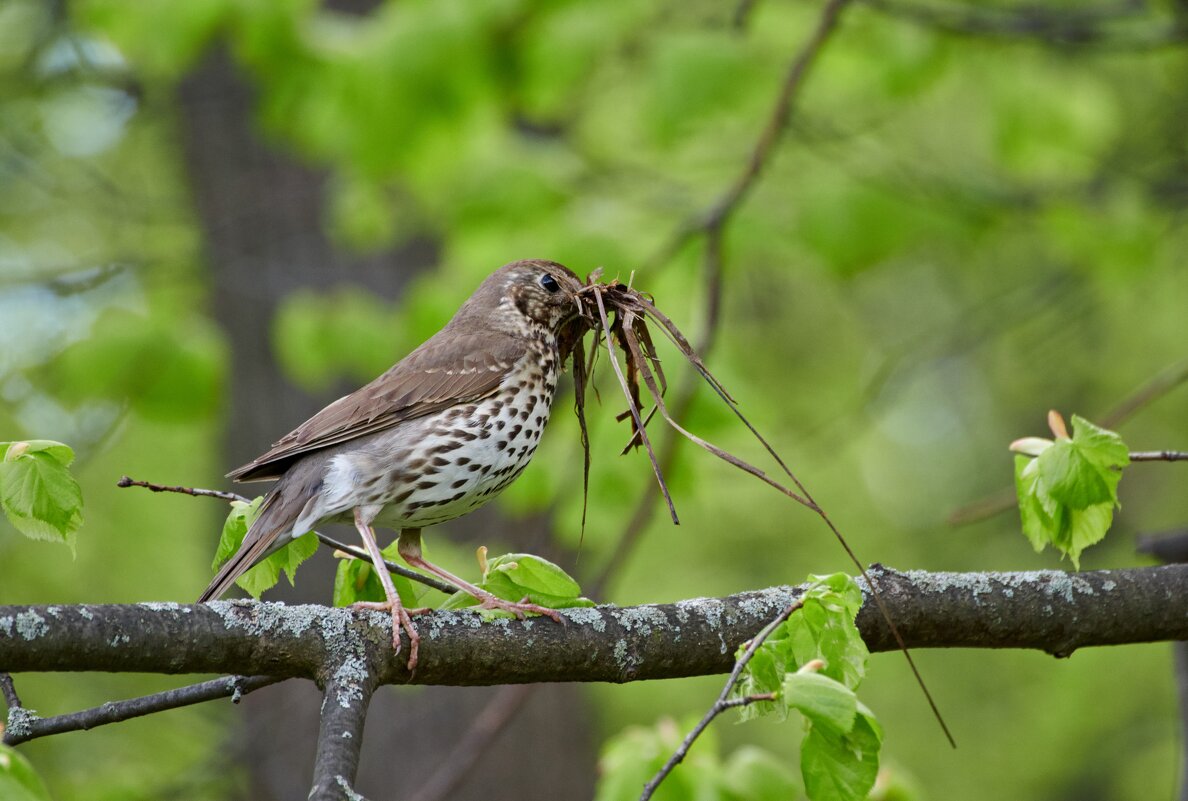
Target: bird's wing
{"points": [[429, 379]]}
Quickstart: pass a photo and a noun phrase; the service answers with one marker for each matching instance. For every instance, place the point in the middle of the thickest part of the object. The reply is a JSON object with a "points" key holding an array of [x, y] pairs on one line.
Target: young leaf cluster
{"points": [[1068, 486], [812, 664], [40, 497]]}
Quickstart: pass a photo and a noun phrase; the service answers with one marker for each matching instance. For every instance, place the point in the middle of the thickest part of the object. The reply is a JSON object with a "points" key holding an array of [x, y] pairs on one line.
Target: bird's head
{"points": [[532, 290]]}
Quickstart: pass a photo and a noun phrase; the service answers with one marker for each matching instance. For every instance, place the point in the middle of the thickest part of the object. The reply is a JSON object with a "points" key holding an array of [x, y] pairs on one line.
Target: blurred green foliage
{"points": [[958, 233]]}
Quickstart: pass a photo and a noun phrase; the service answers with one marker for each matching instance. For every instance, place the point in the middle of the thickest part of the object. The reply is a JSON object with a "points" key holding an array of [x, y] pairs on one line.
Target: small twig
{"points": [[724, 701], [358, 553], [8, 689], [126, 481], [118, 711], [399, 570], [483, 731], [1159, 456]]}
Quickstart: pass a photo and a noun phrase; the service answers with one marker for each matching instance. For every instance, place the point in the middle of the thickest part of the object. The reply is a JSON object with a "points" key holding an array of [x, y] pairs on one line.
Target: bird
{"points": [[435, 437]]}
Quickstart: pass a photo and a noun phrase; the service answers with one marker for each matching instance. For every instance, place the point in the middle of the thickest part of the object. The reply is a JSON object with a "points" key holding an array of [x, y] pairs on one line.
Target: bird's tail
{"points": [[267, 534]]}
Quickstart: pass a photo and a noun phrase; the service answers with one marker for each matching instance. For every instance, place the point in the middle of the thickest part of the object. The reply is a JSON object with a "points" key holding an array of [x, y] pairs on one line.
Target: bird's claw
{"points": [[519, 609], [401, 619]]}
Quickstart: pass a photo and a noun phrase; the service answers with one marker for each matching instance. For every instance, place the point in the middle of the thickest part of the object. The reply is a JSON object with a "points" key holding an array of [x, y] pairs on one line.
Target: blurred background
{"points": [[218, 215]]}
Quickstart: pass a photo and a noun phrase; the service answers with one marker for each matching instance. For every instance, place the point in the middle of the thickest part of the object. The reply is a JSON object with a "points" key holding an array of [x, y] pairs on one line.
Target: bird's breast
{"points": [[457, 459]]}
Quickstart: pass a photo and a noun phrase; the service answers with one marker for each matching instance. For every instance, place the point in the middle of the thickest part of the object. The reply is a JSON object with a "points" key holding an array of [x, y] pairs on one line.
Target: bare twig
{"points": [[126, 481], [118, 711], [1159, 456], [724, 702], [8, 690], [400, 570], [482, 732]]}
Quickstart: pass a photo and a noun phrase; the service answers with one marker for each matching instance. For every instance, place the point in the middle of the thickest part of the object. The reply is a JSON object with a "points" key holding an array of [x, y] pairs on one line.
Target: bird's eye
{"points": [[549, 283]]}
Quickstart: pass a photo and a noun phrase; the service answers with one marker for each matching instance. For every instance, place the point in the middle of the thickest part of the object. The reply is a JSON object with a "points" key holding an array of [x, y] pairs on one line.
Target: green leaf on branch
{"points": [[40, 497], [265, 575], [356, 580], [826, 703], [812, 663], [822, 629], [1068, 487], [18, 780], [842, 767], [516, 576]]}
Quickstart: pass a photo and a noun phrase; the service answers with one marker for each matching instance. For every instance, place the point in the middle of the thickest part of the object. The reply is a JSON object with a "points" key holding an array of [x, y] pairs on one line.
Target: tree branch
{"points": [[1047, 610], [30, 726], [340, 736]]}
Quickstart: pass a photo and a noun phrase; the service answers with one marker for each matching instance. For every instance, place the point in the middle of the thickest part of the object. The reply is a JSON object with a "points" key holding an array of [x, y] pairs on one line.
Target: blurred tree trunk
{"points": [[262, 219]]}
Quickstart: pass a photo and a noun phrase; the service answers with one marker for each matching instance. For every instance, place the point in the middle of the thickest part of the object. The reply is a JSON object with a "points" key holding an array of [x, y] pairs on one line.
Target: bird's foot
{"points": [[401, 619], [487, 601]]}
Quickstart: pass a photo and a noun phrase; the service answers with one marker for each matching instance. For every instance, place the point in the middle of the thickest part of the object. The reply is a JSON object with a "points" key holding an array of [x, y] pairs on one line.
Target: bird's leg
{"points": [[410, 551], [400, 616]]}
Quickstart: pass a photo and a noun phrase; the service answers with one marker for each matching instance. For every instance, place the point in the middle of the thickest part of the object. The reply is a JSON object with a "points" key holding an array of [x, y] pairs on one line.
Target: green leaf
{"points": [[515, 576], [1101, 446], [59, 451], [18, 780], [235, 529], [40, 497], [1067, 494], [825, 702], [533, 574], [823, 628], [267, 573], [753, 774], [842, 767], [355, 580]]}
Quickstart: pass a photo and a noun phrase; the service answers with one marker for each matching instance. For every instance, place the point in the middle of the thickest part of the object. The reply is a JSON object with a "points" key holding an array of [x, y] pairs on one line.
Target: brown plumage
{"points": [[437, 435]]}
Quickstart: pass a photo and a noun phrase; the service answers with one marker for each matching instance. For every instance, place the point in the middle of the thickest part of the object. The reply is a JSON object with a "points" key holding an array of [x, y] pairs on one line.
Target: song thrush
{"points": [[435, 437]]}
